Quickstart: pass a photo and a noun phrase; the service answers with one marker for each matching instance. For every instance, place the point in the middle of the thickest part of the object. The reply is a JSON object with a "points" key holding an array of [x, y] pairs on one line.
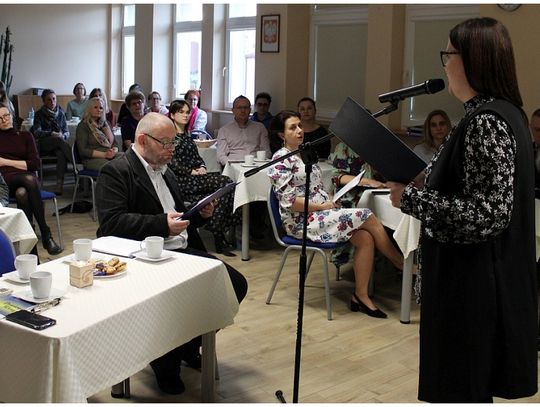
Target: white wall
{"points": [[58, 45]]}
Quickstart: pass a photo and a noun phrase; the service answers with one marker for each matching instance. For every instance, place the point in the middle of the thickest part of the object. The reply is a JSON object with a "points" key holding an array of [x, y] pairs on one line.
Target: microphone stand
{"points": [[309, 156]]}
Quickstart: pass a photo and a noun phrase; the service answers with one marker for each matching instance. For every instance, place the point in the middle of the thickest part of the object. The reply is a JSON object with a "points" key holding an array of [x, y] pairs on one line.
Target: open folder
{"points": [[371, 140]]}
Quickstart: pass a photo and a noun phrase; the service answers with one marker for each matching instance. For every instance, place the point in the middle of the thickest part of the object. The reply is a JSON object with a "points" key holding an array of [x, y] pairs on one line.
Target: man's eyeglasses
{"points": [[445, 56], [5, 117], [164, 143]]}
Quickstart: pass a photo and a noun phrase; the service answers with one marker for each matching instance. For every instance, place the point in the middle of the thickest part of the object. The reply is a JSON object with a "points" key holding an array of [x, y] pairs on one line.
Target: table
{"points": [[255, 188], [209, 155], [114, 328], [406, 233], [16, 225]]}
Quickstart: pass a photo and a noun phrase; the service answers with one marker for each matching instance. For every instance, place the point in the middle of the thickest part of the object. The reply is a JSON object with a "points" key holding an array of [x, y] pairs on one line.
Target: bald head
{"points": [[152, 132], [153, 123]]}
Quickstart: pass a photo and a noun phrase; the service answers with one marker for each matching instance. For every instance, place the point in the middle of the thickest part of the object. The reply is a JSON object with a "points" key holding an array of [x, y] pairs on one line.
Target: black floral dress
{"points": [[195, 187]]}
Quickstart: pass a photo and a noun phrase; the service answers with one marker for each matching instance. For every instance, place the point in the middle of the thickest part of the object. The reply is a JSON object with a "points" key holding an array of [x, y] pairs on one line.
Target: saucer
{"points": [[95, 257], [27, 295], [248, 165], [14, 277], [165, 255], [262, 161]]}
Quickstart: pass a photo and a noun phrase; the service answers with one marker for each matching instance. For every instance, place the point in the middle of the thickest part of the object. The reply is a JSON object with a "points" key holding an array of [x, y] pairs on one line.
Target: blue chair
{"points": [[291, 243], [81, 172], [49, 196], [7, 254]]}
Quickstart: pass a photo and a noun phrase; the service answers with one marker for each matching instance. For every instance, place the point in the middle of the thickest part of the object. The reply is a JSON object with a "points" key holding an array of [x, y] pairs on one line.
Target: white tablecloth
{"points": [[406, 233], [113, 329], [255, 188], [16, 225], [209, 155]]}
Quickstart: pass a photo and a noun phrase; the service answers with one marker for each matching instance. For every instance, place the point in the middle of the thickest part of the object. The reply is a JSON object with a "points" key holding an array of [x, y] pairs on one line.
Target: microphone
{"points": [[430, 86]]}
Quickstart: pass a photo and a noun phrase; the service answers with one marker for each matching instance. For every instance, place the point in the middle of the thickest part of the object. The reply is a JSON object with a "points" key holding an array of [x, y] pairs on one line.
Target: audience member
{"points": [[4, 192], [19, 161], [241, 136], [124, 111], [436, 127], [109, 114], [535, 131], [312, 130], [77, 106], [198, 119], [135, 104], [262, 104], [95, 140], [51, 132], [194, 182], [479, 315], [348, 165], [138, 196], [154, 104], [327, 222]]}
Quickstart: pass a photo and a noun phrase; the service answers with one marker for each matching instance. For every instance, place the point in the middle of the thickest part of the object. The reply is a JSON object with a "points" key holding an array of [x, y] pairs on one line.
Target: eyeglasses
{"points": [[5, 117], [243, 107], [445, 56], [164, 143]]}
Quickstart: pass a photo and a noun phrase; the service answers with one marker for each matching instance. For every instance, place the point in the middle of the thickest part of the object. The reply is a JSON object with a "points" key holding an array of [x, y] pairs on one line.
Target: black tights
{"points": [[24, 187]]}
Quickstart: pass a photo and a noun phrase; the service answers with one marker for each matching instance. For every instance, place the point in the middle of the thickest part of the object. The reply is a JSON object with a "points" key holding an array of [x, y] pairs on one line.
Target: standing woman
{"points": [[76, 107], [19, 161], [478, 324], [436, 127], [95, 141]]}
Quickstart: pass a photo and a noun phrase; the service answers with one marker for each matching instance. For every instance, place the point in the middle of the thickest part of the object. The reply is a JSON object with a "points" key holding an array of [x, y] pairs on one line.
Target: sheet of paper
{"points": [[350, 185], [116, 246]]}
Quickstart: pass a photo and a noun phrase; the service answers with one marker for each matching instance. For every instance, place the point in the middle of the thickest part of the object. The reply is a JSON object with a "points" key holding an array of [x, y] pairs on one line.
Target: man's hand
{"points": [[208, 210], [176, 226]]}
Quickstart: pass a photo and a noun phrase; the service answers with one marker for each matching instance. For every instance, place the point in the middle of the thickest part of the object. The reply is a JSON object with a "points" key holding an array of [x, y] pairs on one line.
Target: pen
{"points": [[45, 305]]}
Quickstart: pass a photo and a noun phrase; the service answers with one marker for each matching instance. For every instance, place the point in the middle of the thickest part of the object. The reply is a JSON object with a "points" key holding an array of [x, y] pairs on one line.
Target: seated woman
{"points": [[154, 104], [124, 110], [18, 162], [348, 165], [76, 107], [312, 130], [194, 181], [135, 105], [436, 127], [109, 114], [95, 141], [327, 222], [51, 132], [198, 119]]}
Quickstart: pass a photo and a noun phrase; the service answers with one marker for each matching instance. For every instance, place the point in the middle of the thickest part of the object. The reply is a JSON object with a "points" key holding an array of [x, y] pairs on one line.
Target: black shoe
{"points": [[168, 382], [361, 307], [193, 360], [222, 245], [50, 245]]}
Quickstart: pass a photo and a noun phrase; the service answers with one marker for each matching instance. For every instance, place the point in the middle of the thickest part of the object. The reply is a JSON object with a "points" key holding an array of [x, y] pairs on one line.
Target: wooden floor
{"points": [[352, 358]]}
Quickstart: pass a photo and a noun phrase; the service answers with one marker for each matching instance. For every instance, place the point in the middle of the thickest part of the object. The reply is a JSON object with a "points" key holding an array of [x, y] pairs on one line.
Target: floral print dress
{"points": [[288, 179]]}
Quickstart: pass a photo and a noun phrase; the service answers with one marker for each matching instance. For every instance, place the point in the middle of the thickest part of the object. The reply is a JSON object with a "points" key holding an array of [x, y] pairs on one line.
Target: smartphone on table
{"points": [[30, 319]]}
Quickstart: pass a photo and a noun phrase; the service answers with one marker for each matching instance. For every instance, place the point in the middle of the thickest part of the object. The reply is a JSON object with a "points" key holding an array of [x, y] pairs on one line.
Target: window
{"points": [[187, 46], [240, 54], [128, 47]]}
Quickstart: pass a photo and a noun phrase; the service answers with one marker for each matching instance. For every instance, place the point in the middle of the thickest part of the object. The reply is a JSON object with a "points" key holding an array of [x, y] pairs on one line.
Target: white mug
{"points": [[153, 246], [249, 159], [261, 155], [40, 284], [82, 249], [25, 265]]}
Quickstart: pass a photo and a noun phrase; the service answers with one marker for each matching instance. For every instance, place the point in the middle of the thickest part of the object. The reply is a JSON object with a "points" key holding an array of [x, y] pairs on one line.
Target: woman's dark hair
{"points": [[177, 105], [45, 93], [428, 137], [306, 99], [79, 84], [488, 58], [277, 125]]}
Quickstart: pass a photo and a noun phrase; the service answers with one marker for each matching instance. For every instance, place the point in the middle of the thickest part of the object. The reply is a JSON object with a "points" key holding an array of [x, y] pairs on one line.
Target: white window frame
{"points": [[234, 24], [322, 17], [422, 13], [127, 31], [183, 27]]}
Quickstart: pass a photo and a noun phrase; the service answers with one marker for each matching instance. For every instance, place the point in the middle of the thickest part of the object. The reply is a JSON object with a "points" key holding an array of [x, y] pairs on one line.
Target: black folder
{"points": [[371, 140]]}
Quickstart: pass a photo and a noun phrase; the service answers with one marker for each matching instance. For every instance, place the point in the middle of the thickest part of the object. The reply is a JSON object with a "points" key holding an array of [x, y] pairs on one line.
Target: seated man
{"points": [[262, 105], [138, 196], [242, 136]]}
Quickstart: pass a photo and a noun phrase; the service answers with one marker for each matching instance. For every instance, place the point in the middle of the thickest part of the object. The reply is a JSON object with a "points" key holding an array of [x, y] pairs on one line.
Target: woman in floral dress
{"points": [[327, 222], [195, 182]]}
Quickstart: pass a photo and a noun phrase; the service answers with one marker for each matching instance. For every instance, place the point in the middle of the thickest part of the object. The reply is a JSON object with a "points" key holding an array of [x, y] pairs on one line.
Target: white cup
{"points": [[153, 246], [25, 265], [261, 155], [249, 159], [40, 284], [82, 249]]}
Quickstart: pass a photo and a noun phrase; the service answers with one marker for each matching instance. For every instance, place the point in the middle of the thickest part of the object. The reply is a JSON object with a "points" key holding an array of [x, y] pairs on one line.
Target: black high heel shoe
{"points": [[361, 307]]}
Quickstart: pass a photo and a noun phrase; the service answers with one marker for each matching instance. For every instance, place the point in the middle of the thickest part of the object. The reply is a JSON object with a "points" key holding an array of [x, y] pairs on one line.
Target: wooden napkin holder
{"points": [[81, 274]]}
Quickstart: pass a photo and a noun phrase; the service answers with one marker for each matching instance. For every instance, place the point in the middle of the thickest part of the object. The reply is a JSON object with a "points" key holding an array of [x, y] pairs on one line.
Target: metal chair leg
{"points": [[121, 390], [58, 223]]}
